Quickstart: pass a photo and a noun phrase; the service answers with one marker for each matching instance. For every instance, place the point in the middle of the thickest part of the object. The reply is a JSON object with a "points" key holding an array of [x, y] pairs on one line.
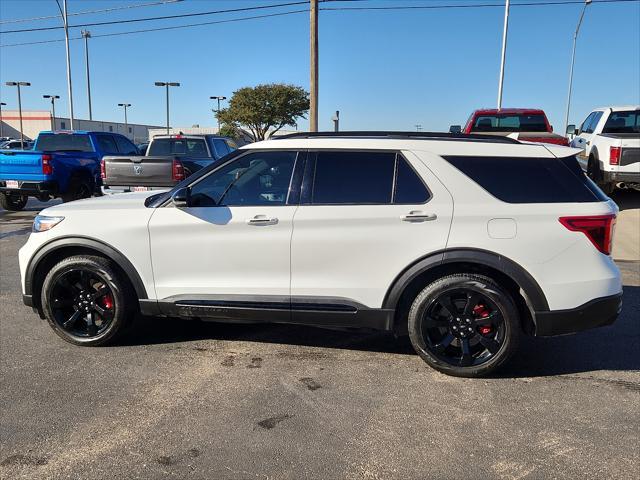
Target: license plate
{"points": [[12, 184], [140, 189]]}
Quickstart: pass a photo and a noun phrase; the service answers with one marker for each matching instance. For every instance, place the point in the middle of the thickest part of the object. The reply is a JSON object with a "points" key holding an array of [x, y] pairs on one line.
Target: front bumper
{"points": [[596, 313], [33, 189]]}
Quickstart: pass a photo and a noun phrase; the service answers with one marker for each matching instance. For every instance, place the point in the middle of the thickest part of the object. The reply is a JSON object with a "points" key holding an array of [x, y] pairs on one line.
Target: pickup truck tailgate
{"points": [[21, 165], [138, 171]]}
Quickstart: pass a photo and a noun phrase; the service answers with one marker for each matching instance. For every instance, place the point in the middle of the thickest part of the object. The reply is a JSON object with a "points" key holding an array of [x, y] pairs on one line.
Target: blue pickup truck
{"points": [[63, 164]]}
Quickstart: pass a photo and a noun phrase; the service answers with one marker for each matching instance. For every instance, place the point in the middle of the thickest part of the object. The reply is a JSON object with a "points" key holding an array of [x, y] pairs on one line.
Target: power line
{"points": [[486, 5], [474, 5], [164, 17], [86, 12], [279, 14]]}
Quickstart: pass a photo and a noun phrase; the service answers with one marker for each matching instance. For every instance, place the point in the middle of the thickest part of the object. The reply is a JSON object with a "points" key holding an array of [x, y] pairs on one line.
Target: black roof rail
{"points": [[468, 137]]}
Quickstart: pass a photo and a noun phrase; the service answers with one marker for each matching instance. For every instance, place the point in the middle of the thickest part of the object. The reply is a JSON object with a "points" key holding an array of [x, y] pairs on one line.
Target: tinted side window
{"points": [[529, 180], [585, 124], [126, 147], [409, 187], [220, 146], [107, 144], [260, 178], [353, 178]]}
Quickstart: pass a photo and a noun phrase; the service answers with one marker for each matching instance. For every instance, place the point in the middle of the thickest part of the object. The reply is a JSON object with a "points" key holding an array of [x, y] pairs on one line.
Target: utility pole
{"points": [[19, 84], [418, 127], [53, 109], [167, 85], [504, 51], [313, 115], [573, 59], [2, 104], [218, 111], [66, 39], [126, 123], [336, 121], [86, 34]]}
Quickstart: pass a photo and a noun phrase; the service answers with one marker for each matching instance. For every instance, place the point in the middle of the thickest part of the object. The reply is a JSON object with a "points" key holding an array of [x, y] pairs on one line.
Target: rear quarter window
{"points": [[530, 180]]}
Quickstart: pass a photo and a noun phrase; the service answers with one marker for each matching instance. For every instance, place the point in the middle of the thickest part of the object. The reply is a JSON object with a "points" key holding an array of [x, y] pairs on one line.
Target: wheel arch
{"points": [[50, 253], [523, 287]]}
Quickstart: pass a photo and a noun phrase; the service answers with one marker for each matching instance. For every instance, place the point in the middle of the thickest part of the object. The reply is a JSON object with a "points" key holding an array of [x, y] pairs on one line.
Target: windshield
{"points": [[510, 123], [63, 142], [195, 147], [623, 122]]}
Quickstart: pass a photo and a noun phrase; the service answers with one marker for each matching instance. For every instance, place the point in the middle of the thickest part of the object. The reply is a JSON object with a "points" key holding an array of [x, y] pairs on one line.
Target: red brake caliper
{"points": [[480, 311], [107, 300]]}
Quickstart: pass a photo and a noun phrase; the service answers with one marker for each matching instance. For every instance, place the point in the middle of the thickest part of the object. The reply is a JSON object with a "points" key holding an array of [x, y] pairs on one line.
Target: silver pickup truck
{"points": [[169, 160]]}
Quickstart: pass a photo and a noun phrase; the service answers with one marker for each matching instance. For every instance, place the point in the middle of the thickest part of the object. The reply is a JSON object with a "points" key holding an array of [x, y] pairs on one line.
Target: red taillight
{"points": [[177, 170], [597, 228], [103, 170], [47, 168], [614, 155]]}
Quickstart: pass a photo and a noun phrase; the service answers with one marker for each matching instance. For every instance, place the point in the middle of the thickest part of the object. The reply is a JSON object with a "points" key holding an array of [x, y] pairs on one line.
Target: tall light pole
{"points": [[505, 31], [573, 59], [218, 110], [53, 109], [19, 84], [313, 31], [2, 104], [126, 124], [167, 85], [86, 34], [63, 12]]}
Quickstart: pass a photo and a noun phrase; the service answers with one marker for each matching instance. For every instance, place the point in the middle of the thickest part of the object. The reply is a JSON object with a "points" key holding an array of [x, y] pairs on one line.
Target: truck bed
{"points": [[149, 172]]}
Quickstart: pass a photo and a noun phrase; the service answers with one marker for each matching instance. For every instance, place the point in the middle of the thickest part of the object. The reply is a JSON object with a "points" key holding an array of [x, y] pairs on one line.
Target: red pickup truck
{"points": [[526, 124]]}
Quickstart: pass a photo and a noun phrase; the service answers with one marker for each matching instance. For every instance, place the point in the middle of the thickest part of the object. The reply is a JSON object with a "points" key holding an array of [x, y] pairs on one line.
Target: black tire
{"points": [[479, 314], [86, 301], [13, 201], [78, 189], [594, 172]]}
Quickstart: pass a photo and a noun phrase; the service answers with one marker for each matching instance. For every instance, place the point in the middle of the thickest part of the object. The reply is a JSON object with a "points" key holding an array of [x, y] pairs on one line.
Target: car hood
{"points": [[119, 201]]}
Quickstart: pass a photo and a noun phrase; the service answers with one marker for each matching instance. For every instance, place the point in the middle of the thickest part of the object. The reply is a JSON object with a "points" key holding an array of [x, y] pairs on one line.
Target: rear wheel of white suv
{"points": [[464, 325], [86, 301]]}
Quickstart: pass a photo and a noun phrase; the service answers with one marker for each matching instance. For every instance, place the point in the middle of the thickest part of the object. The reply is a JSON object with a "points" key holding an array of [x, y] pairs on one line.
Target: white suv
{"points": [[463, 242]]}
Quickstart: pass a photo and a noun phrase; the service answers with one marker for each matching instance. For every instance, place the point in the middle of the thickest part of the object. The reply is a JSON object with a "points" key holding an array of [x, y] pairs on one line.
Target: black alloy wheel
{"points": [[464, 325], [82, 303], [85, 300]]}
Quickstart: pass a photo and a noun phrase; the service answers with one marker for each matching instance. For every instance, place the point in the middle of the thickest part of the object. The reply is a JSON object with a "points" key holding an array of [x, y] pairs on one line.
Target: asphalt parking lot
{"points": [[209, 401]]}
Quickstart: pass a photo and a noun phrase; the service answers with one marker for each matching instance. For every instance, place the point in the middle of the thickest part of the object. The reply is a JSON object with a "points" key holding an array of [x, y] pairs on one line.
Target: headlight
{"points": [[42, 223]]}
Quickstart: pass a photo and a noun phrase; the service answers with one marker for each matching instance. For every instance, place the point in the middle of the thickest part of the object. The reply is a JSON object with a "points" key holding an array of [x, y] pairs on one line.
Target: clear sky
{"points": [[386, 69]]}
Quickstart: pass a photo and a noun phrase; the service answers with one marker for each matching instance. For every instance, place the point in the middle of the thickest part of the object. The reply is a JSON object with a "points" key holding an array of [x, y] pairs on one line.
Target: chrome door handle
{"points": [[262, 220], [418, 216]]}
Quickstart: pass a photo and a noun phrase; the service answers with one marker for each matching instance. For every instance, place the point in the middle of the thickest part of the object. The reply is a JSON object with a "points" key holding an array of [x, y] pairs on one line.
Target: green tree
{"points": [[265, 108]]}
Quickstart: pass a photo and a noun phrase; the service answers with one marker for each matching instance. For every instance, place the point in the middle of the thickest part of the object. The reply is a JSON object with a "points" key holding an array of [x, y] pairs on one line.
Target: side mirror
{"points": [[180, 197], [572, 130], [455, 129]]}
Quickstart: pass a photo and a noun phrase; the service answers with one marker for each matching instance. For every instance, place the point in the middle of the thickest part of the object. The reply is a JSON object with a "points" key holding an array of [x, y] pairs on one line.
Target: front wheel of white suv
{"points": [[86, 301], [464, 325]]}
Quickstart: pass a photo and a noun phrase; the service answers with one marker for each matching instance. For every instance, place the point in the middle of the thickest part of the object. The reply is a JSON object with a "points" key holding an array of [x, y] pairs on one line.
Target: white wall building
{"points": [[33, 122]]}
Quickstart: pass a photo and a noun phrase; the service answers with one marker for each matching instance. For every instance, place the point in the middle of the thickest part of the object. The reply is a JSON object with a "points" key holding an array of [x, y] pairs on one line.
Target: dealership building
{"points": [[33, 122]]}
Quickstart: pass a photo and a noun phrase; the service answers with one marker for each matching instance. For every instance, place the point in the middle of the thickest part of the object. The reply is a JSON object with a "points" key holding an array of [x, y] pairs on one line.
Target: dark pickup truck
{"points": [[169, 160]]}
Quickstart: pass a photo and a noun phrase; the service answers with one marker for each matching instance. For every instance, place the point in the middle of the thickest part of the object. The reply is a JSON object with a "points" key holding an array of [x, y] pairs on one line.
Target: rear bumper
{"points": [[596, 313], [626, 177], [31, 188]]}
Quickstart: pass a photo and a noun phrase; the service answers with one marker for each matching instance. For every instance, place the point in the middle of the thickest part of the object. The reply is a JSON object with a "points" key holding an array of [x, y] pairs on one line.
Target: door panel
{"points": [[234, 238], [214, 250], [356, 251]]}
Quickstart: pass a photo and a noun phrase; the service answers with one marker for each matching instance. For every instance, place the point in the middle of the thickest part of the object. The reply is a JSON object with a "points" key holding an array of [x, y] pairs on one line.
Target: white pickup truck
{"points": [[610, 142]]}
